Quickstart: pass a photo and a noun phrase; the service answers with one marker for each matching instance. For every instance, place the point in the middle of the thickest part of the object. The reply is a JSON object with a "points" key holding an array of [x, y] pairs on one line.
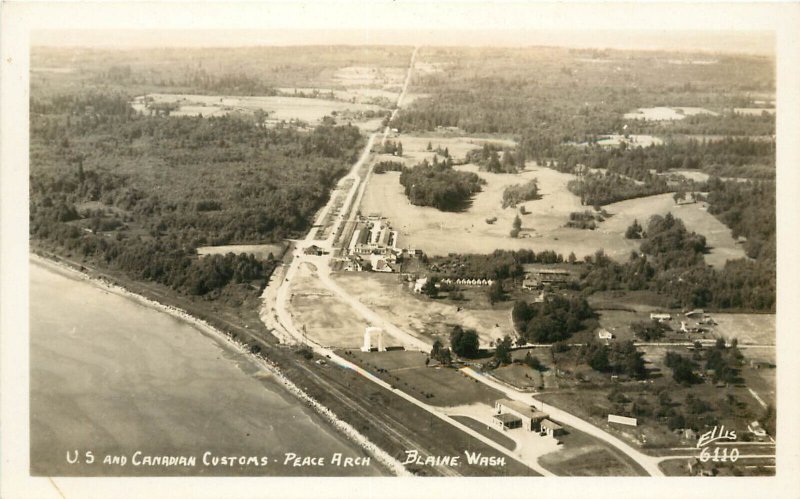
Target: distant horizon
{"points": [[729, 42]]}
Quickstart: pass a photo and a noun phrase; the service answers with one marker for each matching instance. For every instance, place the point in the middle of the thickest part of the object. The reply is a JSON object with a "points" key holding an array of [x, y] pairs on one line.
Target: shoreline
{"points": [[226, 340]]}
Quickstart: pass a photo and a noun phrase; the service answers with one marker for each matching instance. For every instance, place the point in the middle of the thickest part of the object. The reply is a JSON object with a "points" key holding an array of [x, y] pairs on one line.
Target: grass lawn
{"points": [[440, 386], [486, 431], [582, 455], [439, 233]]}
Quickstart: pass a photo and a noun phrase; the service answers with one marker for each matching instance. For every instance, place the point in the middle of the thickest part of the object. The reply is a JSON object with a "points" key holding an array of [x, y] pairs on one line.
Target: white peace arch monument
{"points": [[369, 333]]}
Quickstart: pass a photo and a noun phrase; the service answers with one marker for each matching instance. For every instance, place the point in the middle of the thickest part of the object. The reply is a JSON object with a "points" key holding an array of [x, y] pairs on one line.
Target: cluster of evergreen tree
{"points": [[552, 320], [620, 357], [519, 193], [464, 342], [387, 166], [597, 189], [439, 185], [488, 158]]}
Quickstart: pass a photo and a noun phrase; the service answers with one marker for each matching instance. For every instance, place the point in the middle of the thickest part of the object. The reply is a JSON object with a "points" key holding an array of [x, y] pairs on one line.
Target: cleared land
{"points": [[439, 233], [325, 318], [278, 108], [694, 215], [415, 147], [390, 295], [747, 328]]}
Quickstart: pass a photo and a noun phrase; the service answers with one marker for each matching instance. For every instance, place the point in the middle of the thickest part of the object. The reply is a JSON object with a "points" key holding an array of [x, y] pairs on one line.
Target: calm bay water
{"points": [[112, 377]]}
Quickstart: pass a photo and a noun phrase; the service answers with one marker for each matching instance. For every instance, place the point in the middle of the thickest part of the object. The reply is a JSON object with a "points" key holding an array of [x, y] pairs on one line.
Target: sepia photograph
{"points": [[391, 248]]}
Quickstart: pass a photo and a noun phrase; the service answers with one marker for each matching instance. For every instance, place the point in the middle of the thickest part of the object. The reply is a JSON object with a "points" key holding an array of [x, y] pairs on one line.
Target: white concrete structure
{"points": [[613, 418], [368, 334]]}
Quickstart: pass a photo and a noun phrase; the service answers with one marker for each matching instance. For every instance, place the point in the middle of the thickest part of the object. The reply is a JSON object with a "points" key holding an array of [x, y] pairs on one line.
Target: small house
{"points": [[550, 428], [661, 317], [604, 334]]}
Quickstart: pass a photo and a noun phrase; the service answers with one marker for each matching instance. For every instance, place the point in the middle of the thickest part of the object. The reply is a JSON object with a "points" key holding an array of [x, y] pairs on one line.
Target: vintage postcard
{"points": [[333, 243]]}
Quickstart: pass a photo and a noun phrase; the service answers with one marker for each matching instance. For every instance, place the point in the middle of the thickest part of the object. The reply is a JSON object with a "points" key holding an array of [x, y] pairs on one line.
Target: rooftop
{"points": [[550, 425], [506, 418]]}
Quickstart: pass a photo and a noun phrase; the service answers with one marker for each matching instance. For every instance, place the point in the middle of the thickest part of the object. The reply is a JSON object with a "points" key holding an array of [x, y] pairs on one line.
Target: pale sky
{"points": [[714, 27], [710, 41]]}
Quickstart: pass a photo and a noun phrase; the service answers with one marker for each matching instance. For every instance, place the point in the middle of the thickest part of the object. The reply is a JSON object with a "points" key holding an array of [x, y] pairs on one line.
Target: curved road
{"points": [[278, 318]]}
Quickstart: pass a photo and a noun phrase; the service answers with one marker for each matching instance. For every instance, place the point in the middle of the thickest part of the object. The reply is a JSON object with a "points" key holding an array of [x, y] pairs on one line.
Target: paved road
{"points": [[284, 322], [649, 463]]}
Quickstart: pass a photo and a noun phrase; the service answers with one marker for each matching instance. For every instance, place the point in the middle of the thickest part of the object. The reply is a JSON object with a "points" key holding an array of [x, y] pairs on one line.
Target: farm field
{"points": [[391, 297], [279, 108], [694, 215], [439, 233], [261, 251], [325, 318], [747, 328]]}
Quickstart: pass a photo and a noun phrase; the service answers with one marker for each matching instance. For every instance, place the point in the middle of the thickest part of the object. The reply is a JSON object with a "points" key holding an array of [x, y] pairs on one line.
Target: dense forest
{"points": [[554, 95], [748, 208], [439, 185], [141, 193]]}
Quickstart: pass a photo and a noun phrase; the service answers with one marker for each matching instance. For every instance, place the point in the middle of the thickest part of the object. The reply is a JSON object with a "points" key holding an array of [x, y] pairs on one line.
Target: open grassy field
{"points": [[415, 146], [324, 317], [694, 215], [748, 328], [486, 431], [279, 108], [390, 296], [439, 386], [439, 233], [582, 455]]}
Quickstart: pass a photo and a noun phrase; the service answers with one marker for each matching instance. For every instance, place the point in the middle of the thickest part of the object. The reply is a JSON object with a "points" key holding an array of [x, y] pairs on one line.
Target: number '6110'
{"points": [[719, 455]]}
